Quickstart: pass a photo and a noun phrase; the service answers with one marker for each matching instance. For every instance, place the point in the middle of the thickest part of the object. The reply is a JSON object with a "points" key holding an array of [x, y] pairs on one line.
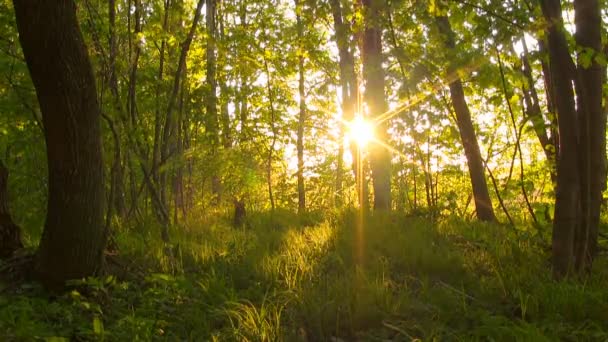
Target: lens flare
{"points": [[361, 131]]}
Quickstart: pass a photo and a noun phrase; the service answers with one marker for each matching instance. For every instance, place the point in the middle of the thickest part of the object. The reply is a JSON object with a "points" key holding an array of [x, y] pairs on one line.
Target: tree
{"points": [[373, 74], [302, 113], [483, 203], [348, 85], [73, 239], [211, 99], [581, 164]]}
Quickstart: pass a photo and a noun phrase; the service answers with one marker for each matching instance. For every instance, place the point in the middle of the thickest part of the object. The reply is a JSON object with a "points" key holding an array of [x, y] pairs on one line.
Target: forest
{"points": [[303, 170]]}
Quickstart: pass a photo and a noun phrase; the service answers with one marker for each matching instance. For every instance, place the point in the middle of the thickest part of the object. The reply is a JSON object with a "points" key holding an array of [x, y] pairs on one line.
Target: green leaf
{"points": [[97, 326]]}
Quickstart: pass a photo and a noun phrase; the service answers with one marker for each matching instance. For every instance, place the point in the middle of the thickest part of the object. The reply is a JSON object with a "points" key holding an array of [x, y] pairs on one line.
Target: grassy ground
{"points": [[296, 278]]}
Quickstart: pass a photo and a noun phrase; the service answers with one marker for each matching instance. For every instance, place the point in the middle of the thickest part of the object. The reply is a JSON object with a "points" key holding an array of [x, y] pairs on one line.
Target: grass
{"points": [[320, 278]]}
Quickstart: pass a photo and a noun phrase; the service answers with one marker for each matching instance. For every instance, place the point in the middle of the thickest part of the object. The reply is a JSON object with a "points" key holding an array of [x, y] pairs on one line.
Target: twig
{"points": [[399, 330]]}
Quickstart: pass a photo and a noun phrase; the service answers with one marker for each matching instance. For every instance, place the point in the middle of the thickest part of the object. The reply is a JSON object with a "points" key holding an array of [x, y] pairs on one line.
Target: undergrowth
{"points": [[319, 277]]}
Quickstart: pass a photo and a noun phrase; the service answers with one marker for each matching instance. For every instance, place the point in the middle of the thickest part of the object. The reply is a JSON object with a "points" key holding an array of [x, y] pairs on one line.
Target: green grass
{"points": [[320, 277]]}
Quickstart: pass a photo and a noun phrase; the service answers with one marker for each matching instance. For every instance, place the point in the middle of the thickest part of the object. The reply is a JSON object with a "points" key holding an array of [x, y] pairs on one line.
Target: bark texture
{"points": [[373, 73], [581, 166], [73, 240], [483, 203]]}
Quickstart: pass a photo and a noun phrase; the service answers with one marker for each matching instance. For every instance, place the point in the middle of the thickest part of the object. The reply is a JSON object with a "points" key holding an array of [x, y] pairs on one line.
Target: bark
{"points": [[240, 213], [134, 66], [568, 189], [534, 113], [302, 113], [169, 144], [554, 136], [243, 87], [483, 203], [10, 233], [373, 74], [348, 84], [212, 121], [273, 130], [592, 129], [73, 239], [170, 124], [158, 119], [117, 198], [225, 91]]}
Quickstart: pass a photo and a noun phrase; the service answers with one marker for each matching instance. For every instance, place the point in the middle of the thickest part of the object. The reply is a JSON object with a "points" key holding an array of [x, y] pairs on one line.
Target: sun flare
{"points": [[361, 131]]}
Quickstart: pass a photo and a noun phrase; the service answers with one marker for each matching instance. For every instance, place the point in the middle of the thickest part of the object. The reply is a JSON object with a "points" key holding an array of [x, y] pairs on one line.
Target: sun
{"points": [[361, 131]]}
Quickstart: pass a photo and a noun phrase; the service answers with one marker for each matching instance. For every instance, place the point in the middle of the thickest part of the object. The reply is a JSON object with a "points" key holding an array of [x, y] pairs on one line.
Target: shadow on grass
{"points": [[322, 277]]}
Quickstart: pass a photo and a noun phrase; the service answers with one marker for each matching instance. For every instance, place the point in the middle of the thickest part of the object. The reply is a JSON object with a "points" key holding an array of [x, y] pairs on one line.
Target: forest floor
{"points": [[319, 277]]}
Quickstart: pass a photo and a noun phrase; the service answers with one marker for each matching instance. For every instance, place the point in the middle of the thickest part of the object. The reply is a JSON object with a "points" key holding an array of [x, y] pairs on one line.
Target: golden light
{"points": [[361, 131]]}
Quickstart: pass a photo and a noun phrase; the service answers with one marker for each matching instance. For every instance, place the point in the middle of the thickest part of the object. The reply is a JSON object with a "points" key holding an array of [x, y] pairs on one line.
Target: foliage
{"points": [[453, 280]]}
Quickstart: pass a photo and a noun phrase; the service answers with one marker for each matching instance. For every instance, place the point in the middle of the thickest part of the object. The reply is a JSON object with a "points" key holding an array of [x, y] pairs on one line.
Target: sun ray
{"points": [[361, 131]]}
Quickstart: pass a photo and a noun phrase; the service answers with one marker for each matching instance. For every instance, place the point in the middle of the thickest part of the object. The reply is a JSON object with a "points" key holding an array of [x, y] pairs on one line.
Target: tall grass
{"points": [[318, 278]]}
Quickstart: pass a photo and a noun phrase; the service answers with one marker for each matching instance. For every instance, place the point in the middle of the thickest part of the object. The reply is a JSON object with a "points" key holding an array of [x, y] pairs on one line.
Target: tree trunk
{"points": [[302, 114], [169, 144], [534, 112], [10, 233], [483, 203], [373, 74], [273, 130], [567, 211], [592, 129], [134, 65], [212, 121], [73, 240], [117, 199], [348, 84], [158, 119]]}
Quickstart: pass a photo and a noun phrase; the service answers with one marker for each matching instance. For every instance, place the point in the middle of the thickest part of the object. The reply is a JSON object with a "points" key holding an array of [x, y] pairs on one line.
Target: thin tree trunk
{"points": [[158, 119], [273, 130], [562, 71], [134, 66], [211, 96], [483, 203], [507, 94], [533, 112], [348, 84], [169, 145], [117, 199], [302, 114]]}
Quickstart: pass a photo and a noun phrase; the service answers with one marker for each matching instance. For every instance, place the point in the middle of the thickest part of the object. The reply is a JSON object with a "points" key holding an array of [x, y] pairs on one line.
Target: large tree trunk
{"points": [[483, 203], [373, 74], [10, 233], [73, 240]]}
